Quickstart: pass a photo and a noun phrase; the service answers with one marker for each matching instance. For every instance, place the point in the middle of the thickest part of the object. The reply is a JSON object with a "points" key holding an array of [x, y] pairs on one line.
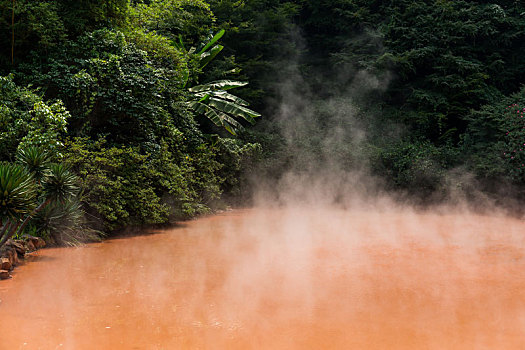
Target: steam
{"points": [[326, 152], [332, 132]]}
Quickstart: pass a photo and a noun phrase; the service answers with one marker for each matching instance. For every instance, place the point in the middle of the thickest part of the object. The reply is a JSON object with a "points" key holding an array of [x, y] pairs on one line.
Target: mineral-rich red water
{"points": [[280, 279]]}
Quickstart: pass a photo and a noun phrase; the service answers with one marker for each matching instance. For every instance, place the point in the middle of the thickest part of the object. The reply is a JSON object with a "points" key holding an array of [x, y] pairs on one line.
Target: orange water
{"points": [[280, 279]]}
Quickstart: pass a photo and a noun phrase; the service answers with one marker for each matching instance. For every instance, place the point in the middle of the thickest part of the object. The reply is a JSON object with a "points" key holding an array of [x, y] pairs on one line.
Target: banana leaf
{"points": [[218, 85], [212, 41]]}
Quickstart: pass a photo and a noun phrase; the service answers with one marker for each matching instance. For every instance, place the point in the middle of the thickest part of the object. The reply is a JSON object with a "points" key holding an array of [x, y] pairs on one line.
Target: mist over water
{"points": [[322, 117], [286, 278]]}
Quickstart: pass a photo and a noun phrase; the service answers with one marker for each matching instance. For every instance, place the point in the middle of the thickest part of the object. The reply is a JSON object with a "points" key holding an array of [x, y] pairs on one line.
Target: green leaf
{"points": [[17, 191], [227, 96], [212, 41], [206, 57], [232, 108], [185, 76], [218, 85]]}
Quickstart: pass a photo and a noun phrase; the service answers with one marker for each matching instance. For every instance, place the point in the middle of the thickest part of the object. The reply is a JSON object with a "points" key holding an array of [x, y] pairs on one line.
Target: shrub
{"points": [[26, 120], [415, 165], [495, 140]]}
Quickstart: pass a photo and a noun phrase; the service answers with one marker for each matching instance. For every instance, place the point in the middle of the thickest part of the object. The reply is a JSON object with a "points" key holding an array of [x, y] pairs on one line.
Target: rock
{"points": [[5, 264], [3, 252], [13, 250], [8, 253], [4, 274], [17, 245], [16, 260], [12, 255], [16, 257], [30, 247], [37, 242], [41, 243]]}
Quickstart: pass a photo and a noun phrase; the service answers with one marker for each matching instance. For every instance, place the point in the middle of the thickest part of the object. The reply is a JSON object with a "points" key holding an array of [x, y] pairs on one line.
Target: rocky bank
{"points": [[14, 251]]}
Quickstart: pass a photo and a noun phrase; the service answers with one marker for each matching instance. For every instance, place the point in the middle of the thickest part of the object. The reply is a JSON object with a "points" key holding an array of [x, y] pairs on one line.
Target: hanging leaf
{"points": [[232, 108], [212, 41], [206, 57], [218, 85]]}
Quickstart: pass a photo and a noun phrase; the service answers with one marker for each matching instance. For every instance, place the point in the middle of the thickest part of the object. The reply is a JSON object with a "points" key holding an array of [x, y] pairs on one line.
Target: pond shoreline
{"points": [[14, 252]]}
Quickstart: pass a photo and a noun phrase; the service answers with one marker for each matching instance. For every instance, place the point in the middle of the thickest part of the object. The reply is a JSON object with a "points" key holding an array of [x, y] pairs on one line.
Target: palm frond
{"points": [[212, 41], [234, 109], [227, 96], [207, 57]]}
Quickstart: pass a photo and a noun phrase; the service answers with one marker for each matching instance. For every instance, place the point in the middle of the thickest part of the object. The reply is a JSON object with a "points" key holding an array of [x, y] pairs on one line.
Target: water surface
{"points": [[280, 279]]}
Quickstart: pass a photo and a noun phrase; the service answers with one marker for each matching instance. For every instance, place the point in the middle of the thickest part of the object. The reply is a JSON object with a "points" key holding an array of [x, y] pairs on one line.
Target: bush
{"points": [[415, 165], [117, 183], [125, 186], [26, 120], [113, 88], [495, 140]]}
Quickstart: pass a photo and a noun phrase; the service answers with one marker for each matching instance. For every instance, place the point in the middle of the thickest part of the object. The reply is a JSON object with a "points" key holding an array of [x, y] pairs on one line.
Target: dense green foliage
{"points": [[424, 79], [105, 89], [135, 96], [26, 120], [495, 139]]}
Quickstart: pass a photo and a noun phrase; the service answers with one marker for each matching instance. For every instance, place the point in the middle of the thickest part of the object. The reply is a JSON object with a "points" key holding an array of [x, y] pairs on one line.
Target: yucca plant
{"points": [[29, 187], [17, 198], [64, 223], [35, 159], [58, 185]]}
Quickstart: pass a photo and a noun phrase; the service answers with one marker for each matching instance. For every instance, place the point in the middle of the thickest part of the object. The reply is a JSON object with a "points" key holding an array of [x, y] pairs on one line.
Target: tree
{"points": [[32, 25], [26, 120]]}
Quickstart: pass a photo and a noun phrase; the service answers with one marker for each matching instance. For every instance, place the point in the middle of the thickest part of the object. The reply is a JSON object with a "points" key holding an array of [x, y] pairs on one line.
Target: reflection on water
{"points": [[280, 279]]}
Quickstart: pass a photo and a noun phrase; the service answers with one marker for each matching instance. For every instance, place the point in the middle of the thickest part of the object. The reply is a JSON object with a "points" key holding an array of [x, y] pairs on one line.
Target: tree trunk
{"points": [[15, 230], [13, 34], [4, 228], [10, 233], [30, 216]]}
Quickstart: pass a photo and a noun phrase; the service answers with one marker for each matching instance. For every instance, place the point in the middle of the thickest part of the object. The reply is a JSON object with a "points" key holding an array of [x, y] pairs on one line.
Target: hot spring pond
{"points": [[295, 278]]}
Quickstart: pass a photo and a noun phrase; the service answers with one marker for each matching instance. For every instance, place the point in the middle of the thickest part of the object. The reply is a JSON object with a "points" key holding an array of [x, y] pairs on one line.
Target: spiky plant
{"points": [[35, 159], [17, 191], [17, 197], [64, 223], [59, 183]]}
